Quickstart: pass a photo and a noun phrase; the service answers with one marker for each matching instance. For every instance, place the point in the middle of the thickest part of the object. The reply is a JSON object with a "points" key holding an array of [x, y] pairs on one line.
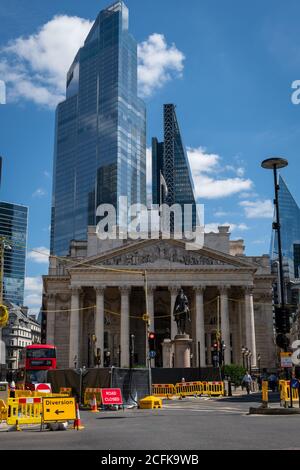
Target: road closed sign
{"points": [[111, 396], [58, 409]]}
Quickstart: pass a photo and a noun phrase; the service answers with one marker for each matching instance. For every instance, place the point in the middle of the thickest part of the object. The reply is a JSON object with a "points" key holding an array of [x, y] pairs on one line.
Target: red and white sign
{"points": [[111, 396], [43, 388]]}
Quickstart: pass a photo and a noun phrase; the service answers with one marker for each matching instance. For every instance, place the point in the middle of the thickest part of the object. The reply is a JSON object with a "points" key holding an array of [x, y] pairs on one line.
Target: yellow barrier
{"points": [[284, 389], [3, 411], [163, 390], [216, 388], [89, 395], [66, 390], [187, 389], [24, 411], [21, 393], [149, 403]]}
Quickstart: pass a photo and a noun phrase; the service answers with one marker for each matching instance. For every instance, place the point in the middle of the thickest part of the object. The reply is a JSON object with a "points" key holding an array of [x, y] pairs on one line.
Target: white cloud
{"points": [[213, 227], [258, 209], [33, 293], [206, 168], [39, 255], [47, 174], [40, 192], [157, 63], [35, 67]]}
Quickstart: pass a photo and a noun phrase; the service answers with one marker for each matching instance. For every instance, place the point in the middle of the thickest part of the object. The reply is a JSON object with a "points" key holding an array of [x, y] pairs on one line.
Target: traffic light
{"points": [[282, 320], [151, 341]]}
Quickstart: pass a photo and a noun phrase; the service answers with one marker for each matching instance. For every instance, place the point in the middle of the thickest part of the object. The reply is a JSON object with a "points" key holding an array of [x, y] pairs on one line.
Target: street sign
{"points": [[111, 396], [152, 354], [58, 409], [286, 359], [43, 388]]}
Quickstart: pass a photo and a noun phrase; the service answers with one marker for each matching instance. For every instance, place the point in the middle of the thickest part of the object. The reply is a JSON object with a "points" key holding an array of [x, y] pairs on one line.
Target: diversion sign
{"points": [[58, 409]]}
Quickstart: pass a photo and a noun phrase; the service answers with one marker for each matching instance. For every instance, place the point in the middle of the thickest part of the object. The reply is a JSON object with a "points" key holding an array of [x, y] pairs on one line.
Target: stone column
{"points": [[174, 292], [50, 322], [250, 324], [74, 328], [225, 327], [124, 333], [99, 322], [199, 333]]}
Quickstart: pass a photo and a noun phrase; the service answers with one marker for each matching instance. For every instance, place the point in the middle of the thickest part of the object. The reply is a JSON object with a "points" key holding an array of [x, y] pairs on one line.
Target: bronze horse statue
{"points": [[181, 312]]}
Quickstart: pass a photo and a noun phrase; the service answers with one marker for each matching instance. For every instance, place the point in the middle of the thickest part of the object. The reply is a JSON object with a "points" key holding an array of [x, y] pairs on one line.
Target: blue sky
{"points": [[228, 66]]}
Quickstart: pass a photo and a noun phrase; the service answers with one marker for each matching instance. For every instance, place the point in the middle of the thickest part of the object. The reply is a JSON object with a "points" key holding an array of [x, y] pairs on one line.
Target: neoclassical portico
{"points": [[104, 298]]}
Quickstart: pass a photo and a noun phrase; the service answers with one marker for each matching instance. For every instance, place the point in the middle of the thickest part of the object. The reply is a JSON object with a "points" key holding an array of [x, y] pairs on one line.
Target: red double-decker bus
{"points": [[34, 362]]}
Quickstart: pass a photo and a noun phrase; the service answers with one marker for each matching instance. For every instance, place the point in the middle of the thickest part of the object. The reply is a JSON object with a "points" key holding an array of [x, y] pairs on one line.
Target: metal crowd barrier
{"points": [[89, 395]]}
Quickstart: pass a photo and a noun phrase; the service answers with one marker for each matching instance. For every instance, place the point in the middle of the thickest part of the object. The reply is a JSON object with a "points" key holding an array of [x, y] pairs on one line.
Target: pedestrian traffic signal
{"points": [[151, 341], [282, 320]]}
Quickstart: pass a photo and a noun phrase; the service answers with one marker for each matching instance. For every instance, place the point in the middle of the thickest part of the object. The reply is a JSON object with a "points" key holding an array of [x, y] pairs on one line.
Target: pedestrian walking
{"points": [[247, 382]]}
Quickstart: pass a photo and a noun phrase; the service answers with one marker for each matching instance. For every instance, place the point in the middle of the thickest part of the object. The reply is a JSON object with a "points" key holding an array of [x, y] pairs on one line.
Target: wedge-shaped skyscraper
{"points": [[170, 165]]}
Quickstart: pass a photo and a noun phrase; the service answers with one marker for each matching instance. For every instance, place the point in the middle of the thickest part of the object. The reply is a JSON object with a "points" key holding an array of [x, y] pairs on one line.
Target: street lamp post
{"points": [[243, 355], [258, 362], [247, 358], [250, 362], [275, 164]]}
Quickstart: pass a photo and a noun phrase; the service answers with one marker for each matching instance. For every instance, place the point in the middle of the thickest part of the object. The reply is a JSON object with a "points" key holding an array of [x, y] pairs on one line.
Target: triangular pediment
{"points": [[149, 254]]}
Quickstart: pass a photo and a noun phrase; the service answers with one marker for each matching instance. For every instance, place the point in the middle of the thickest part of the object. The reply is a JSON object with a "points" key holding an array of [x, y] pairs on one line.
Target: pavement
{"points": [[188, 424]]}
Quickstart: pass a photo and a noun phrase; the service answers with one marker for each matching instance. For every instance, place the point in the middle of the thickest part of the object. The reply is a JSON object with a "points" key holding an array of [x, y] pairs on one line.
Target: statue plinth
{"points": [[182, 345]]}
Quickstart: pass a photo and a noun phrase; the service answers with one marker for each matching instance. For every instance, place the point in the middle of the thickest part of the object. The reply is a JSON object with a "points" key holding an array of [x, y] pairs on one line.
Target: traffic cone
{"points": [[77, 422], [94, 408]]}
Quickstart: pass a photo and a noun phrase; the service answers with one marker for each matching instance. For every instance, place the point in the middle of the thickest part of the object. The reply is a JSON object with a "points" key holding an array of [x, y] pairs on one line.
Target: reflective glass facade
{"points": [[100, 142], [13, 226], [170, 158], [290, 230]]}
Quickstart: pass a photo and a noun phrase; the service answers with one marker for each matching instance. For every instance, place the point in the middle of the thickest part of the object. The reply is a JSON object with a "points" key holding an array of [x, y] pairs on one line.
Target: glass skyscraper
{"points": [[100, 141], [290, 230], [169, 158], [13, 226]]}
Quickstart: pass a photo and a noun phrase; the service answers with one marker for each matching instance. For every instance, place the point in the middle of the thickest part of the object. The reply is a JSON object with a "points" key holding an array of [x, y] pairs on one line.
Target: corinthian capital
{"points": [[100, 290]]}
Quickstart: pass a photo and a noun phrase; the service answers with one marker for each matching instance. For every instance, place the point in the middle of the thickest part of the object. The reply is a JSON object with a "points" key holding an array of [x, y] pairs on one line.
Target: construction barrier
{"points": [[163, 390], [187, 389], [285, 391], [149, 403], [3, 411], [89, 396], [20, 393], [66, 391], [24, 411], [216, 389]]}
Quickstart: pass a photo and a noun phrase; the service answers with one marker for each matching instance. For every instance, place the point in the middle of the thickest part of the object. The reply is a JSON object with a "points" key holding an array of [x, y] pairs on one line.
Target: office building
{"points": [[13, 226], [100, 139], [169, 159]]}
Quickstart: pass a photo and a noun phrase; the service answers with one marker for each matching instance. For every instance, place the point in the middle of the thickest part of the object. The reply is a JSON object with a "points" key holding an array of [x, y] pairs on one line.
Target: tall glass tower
{"points": [[290, 230], [169, 158], [100, 141], [13, 226]]}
